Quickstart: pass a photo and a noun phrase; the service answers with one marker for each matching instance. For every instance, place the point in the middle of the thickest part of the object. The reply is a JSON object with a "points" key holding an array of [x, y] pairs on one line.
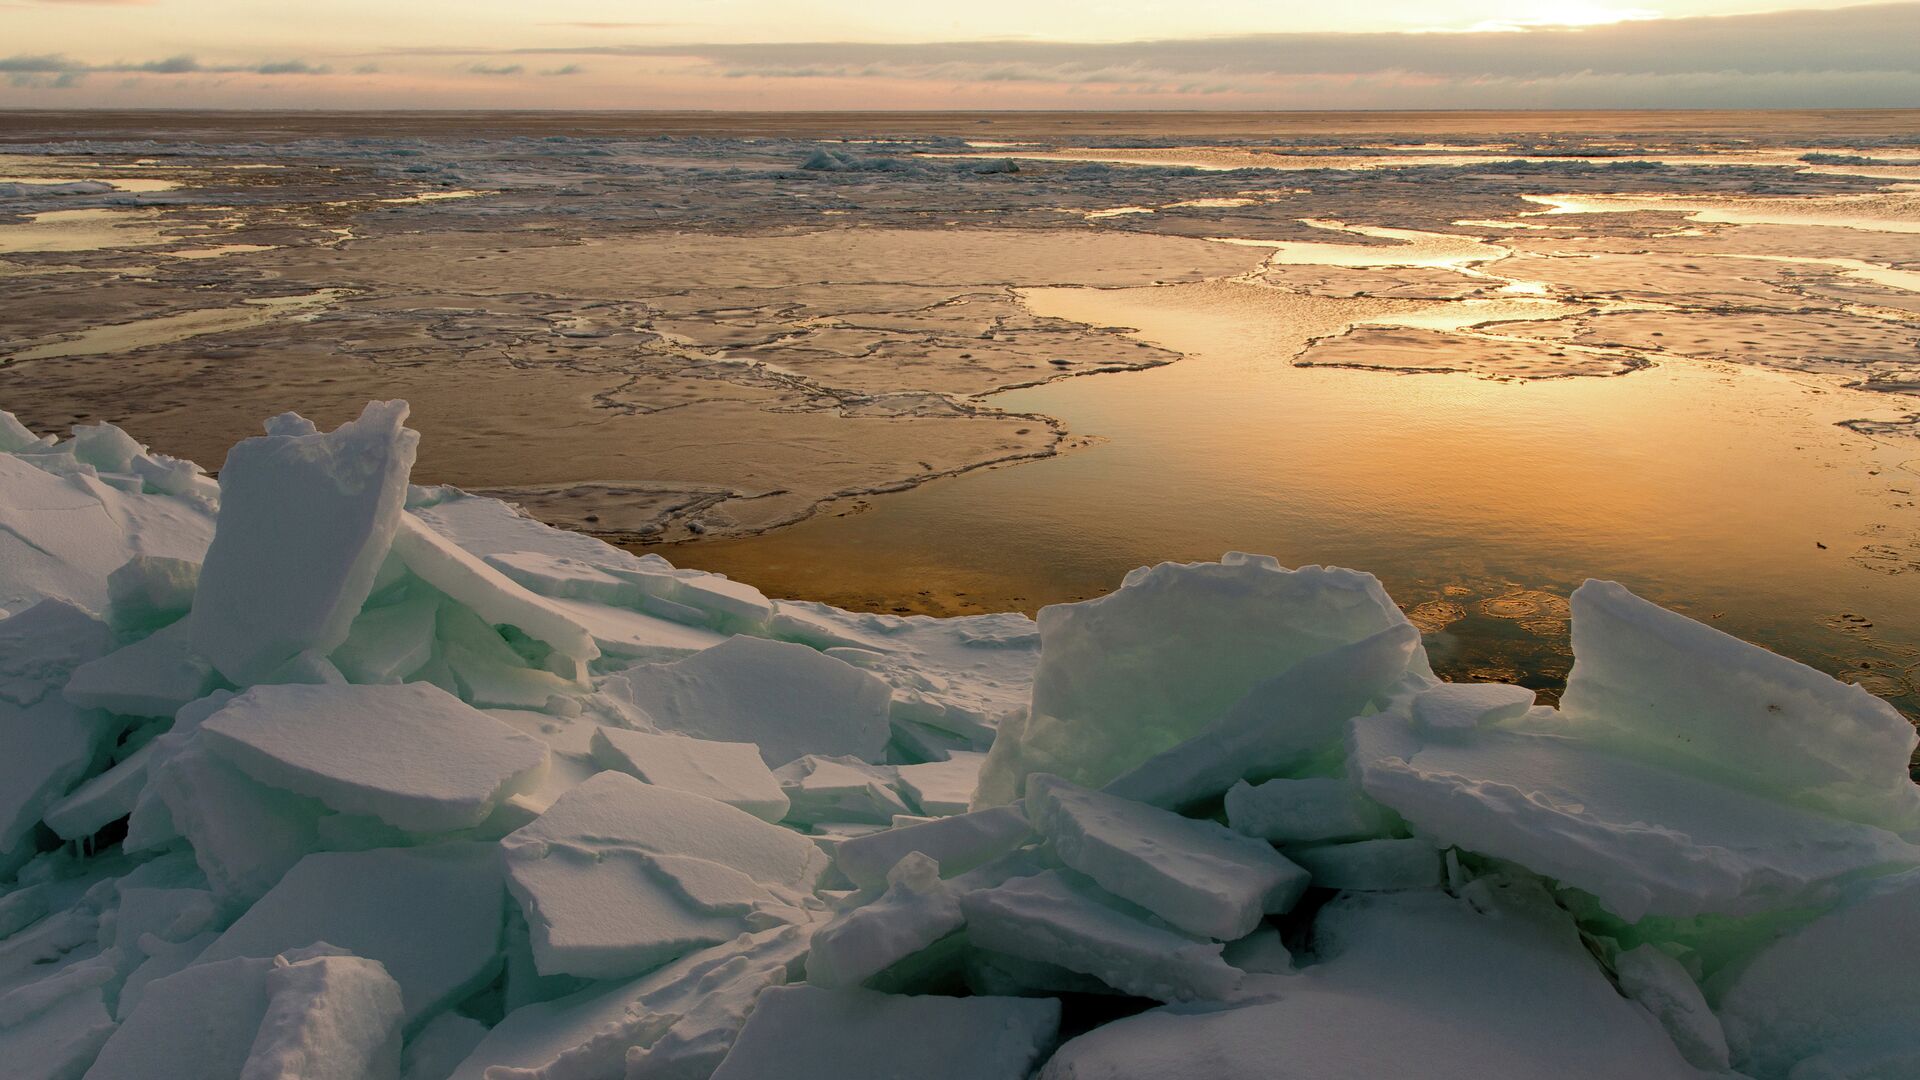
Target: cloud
{"points": [[1872, 38], [61, 72], [496, 69], [565, 69], [611, 25]]}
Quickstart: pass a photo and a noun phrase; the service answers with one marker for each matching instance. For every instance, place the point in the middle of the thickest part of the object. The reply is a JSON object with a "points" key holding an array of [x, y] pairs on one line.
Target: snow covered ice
{"points": [[309, 773]]}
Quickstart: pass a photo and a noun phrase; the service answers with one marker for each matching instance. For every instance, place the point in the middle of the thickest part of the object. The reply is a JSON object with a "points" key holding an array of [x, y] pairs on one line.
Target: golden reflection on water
{"points": [[1704, 486]]}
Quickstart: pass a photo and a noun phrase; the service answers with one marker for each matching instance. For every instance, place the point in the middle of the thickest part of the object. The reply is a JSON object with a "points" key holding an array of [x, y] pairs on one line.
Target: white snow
{"points": [[1662, 986], [727, 772], [414, 756], [154, 676], [1199, 876], [806, 1032], [305, 521]]}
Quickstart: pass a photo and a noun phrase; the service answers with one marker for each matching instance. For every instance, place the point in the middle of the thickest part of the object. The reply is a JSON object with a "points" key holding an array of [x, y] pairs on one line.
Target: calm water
{"points": [[1480, 503]]}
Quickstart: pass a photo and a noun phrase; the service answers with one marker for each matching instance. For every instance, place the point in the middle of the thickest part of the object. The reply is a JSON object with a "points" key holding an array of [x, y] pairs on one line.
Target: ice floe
{"points": [[310, 773]]}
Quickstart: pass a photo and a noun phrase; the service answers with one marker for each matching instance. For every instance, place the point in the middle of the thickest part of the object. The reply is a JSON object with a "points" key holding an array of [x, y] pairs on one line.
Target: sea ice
{"points": [[1643, 839], [786, 699], [431, 915], [1409, 984], [154, 676], [1172, 652], [1464, 706], [150, 591], [308, 1014], [485, 591], [807, 1032], [841, 789], [917, 910], [1059, 918], [1834, 998], [959, 843], [1280, 725], [1383, 865], [1306, 811], [670, 1024], [50, 744], [731, 773], [620, 876], [305, 521], [414, 756], [1201, 877], [940, 788], [1662, 986], [1684, 695]]}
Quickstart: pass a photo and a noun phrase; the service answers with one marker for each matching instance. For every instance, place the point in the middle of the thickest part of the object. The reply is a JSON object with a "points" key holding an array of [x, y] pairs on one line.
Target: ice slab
{"points": [[1681, 693], [1384, 865], [787, 699], [940, 788], [731, 773], [105, 798], [431, 915], [1644, 840], [307, 1014], [959, 843], [150, 591], [1410, 984], [60, 1039], [50, 744], [1060, 918], [674, 1023], [244, 834], [1835, 998], [305, 521], [388, 643], [1280, 725], [414, 756], [637, 635], [841, 789], [63, 536], [154, 676], [917, 910], [620, 876], [327, 1018], [806, 1032], [485, 591], [1463, 706], [1175, 649], [1200, 876], [1306, 811], [1662, 986]]}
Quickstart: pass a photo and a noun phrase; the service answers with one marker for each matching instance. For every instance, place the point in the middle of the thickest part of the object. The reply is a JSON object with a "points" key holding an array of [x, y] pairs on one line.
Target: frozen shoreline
{"points": [[309, 769]]}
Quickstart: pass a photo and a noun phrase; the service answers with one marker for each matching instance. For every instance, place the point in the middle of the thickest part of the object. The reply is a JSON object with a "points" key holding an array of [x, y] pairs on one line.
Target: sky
{"points": [[976, 54]]}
